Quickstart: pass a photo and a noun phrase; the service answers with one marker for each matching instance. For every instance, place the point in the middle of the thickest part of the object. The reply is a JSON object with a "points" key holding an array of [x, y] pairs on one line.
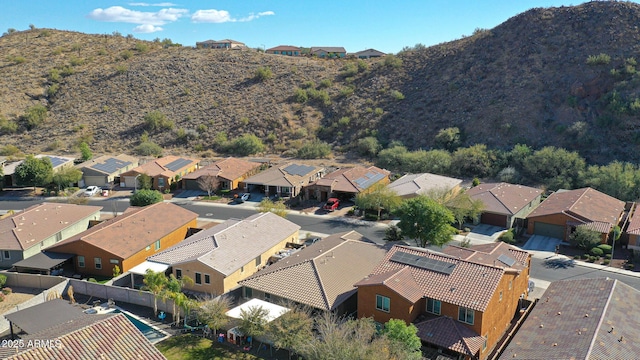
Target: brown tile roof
{"points": [[634, 224], [470, 284], [39, 222], [134, 230], [447, 333], [580, 319], [228, 246], [284, 175], [229, 169], [120, 161], [503, 198], [158, 167], [355, 179], [492, 254], [284, 48], [102, 337], [584, 205], [422, 184], [321, 275], [329, 49]]}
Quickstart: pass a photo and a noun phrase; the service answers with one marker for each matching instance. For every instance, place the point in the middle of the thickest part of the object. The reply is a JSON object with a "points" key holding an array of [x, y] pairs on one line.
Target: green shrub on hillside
{"points": [[301, 95], [396, 95], [314, 150], [600, 59], [156, 120], [7, 126], [149, 148], [263, 73], [392, 61], [35, 116], [246, 145]]}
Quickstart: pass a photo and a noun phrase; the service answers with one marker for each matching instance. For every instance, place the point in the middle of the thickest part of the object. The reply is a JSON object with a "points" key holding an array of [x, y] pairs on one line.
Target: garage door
{"points": [[550, 230], [494, 219]]}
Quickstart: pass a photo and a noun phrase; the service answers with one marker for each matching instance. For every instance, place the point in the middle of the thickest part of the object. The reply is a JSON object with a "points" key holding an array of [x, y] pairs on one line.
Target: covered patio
{"points": [[44, 263]]}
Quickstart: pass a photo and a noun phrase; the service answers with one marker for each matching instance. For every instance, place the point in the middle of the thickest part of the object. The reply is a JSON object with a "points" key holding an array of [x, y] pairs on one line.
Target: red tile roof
{"points": [[158, 167], [229, 169], [284, 48], [634, 224], [445, 332], [353, 180], [503, 198], [584, 205], [491, 254], [470, 284]]}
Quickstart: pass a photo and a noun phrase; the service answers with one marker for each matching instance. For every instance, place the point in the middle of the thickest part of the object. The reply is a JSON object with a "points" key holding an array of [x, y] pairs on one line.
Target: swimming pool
{"points": [[154, 335]]}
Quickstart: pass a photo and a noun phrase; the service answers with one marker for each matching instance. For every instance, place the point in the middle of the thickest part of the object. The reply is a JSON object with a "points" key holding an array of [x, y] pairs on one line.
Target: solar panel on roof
{"points": [[299, 170], [178, 164], [369, 179], [507, 260], [111, 165], [423, 262], [56, 161]]}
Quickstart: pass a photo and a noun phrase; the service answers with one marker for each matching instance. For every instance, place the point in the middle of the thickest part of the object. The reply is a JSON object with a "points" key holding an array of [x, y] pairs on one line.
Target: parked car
{"points": [[245, 197], [310, 241], [92, 190], [331, 204]]}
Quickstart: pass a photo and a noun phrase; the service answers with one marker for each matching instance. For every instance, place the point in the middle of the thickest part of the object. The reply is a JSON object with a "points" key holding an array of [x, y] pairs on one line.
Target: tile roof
{"points": [[354, 179], [56, 161], [334, 49], [585, 205], [634, 223], [117, 163], [134, 230], [580, 319], [422, 184], [229, 246], [278, 175], [92, 337], [470, 284], [158, 167], [492, 254], [39, 222], [284, 48], [229, 169], [447, 333], [373, 51], [503, 198], [324, 272]]}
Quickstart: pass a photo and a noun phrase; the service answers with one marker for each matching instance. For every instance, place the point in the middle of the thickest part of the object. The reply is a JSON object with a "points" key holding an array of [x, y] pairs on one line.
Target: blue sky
{"points": [[354, 24]]}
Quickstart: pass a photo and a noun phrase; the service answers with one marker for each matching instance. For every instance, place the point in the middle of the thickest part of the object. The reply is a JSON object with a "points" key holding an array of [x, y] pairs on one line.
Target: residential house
{"points": [[321, 276], [505, 205], [219, 257], [412, 185], [284, 50], [285, 180], [128, 239], [464, 300], [26, 233], [56, 329], [58, 162], [583, 319], [163, 171], [106, 169], [229, 173], [328, 52], [346, 183], [221, 44], [559, 214], [632, 233], [368, 54]]}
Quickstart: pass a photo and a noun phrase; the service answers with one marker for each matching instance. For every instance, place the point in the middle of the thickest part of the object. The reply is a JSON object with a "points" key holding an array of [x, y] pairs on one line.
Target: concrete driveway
{"points": [[542, 243], [483, 233]]}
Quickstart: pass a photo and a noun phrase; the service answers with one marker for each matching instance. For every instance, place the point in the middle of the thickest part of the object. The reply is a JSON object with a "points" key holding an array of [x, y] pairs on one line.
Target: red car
{"points": [[331, 204]]}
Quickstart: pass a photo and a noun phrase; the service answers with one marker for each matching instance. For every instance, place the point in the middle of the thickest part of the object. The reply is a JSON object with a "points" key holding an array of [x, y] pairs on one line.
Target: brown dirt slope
{"points": [[526, 81]]}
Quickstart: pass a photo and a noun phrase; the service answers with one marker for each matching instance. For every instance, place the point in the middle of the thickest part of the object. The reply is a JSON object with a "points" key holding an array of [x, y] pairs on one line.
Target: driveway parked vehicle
{"points": [[331, 204], [92, 190]]}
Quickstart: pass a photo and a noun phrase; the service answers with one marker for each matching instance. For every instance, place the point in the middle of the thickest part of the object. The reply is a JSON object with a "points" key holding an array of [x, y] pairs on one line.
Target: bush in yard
{"points": [[584, 238], [7, 291], [3, 280], [596, 251], [606, 262], [607, 256], [605, 248], [585, 256], [508, 237], [145, 197]]}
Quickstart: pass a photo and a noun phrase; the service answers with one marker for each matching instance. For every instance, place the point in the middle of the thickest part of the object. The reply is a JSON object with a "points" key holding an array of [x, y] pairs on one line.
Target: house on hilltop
{"points": [[328, 51], [221, 44], [368, 54], [284, 50]]}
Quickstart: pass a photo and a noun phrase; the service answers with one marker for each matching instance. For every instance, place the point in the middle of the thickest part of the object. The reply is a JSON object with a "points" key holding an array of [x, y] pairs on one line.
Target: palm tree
{"points": [[213, 313], [155, 283], [174, 292]]}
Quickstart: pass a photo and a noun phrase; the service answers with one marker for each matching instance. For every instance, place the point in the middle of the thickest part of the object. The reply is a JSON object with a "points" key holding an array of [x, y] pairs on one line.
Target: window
{"points": [[80, 261], [148, 247], [267, 296], [6, 255], [178, 273], [383, 303], [241, 269], [160, 182], [484, 344], [58, 236], [98, 263], [433, 306], [114, 261], [248, 292], [465, 315], [198, 278], [158, 245], [258, 260], [510, 284], [207, 279], [500, 296]]}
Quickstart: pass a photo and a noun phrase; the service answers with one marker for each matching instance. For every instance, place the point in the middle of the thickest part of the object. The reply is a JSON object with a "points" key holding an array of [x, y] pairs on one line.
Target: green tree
{"points": [[556, 168], [156, 120], [368, 146], [246, 145], [35, 116], [155, 283], [315, 149], [617, 179], [584, 238], [474, 160], [213, 313], [66, 176], [448, 139], [392, 158], [404, 341], [278, 207], [291, 330], [173, 291], [144, 182], [426, 221], [461, 205], [378, 198], [253, 321], [145, 197], [34, 171], [85, 151], [149, 148], [392, 233]]}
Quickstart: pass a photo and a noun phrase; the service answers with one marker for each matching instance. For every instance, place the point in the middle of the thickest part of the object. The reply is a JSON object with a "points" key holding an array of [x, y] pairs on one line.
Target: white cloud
{"points": [[146, 29], [162, 4], [120, 14], [223, 16]]}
